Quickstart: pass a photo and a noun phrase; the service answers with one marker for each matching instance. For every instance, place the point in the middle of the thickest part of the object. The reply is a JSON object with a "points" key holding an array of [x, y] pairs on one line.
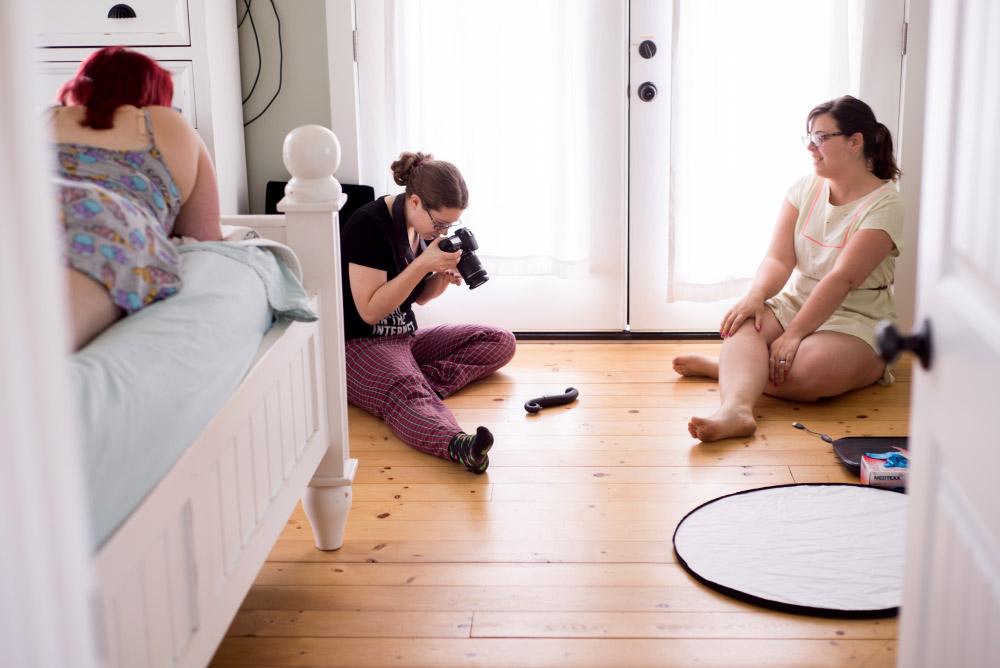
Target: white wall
{"points": [[911, 147], [317, 87]]}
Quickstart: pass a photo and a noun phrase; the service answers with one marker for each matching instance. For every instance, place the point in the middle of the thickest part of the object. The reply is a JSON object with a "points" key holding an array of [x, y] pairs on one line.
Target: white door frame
{"points": [[45, 572], [910, 154]]}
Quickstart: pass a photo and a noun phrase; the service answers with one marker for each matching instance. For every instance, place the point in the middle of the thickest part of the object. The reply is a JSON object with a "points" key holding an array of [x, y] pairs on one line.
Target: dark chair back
{"points": [[357, 196]]}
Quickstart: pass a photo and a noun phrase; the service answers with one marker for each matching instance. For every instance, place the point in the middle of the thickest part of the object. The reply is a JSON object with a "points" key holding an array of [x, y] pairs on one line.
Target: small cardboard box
{"points": [[878, 472]]}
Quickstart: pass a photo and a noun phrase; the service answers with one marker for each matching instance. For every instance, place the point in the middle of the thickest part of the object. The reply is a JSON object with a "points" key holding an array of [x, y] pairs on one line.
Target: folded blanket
{"points": [[282, 279], [249, 237]]}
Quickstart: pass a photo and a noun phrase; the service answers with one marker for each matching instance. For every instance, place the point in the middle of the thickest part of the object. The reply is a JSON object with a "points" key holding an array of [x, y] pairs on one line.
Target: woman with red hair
{"points": [[132, 172]]}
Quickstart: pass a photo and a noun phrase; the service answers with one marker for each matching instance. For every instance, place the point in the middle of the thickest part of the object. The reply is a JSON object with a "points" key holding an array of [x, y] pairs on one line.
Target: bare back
{"points": [[182, 148]]}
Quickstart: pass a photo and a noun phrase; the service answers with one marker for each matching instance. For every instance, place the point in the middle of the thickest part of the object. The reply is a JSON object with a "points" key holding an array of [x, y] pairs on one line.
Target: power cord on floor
{"points": [[799, 425]]}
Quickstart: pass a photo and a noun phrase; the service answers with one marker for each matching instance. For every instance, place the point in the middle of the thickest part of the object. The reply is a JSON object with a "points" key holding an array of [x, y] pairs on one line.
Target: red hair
{"points": [[111, 77]]}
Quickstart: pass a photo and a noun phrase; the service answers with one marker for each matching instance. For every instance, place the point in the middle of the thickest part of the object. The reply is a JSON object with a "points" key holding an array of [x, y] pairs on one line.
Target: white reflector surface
{"points": [[824, 549]]}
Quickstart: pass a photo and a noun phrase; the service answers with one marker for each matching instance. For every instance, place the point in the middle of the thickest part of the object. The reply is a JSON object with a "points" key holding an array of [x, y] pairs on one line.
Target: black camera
{"points": [[469, 266]]}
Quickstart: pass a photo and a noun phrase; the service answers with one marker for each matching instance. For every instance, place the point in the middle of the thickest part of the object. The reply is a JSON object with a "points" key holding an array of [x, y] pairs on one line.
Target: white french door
{"points": [[527, 99], [714, 142], [653, 138]]}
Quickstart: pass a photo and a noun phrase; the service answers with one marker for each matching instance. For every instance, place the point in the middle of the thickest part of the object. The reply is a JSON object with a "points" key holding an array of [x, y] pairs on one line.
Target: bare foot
{"points": [[722, 424], [695, 364]]}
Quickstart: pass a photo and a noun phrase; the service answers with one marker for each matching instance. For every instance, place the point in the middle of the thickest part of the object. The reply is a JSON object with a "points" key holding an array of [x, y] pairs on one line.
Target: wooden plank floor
{"points": [[560, 555]]}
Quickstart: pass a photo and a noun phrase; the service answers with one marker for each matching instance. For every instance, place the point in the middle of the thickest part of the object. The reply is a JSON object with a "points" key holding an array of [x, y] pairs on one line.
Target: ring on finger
{"points": [[782, 361]]}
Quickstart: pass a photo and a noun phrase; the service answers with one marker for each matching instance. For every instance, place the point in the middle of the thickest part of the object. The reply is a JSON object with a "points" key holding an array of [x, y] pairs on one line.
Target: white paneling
{"points": [[312, 391], [180, 575], [129, 619], [275, 463], [229, 506], [86, 23], [287, 422], [156, 605], [243, 450], [261, 467], [298, 403]]}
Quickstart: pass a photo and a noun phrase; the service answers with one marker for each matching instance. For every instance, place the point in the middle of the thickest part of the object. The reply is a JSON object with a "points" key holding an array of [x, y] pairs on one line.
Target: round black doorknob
{"points": [[647, 91], [892, 344], [121, 12], [647, 48]]}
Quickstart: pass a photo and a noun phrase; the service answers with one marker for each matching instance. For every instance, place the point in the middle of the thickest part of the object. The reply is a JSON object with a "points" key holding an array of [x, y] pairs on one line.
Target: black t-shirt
{"points": [[372, 238]]}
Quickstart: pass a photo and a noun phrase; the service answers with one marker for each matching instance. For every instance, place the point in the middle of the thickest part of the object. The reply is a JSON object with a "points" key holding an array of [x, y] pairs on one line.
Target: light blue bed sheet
{"points": [[148, 385]]}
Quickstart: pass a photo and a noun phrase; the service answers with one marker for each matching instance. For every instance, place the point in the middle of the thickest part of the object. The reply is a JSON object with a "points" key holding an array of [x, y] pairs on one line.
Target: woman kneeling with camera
{"points": [[391, 257]]}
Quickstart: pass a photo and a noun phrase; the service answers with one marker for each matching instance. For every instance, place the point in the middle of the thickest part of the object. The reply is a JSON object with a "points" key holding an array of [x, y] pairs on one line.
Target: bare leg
{"points": [[696, 364], [742, 373], [828, 364], [91, 308]]}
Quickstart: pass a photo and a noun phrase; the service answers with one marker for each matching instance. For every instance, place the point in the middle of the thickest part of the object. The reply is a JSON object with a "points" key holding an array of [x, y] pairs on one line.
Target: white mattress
{"points": [[149, 385]]}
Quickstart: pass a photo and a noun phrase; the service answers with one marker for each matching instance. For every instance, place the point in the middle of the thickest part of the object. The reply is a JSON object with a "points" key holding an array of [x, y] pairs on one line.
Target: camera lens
{"points": [[477, 278], [472, 270]]}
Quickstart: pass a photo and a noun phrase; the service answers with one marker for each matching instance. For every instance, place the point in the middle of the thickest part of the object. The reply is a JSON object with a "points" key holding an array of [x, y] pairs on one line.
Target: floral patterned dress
{"points": [[117, 209]]}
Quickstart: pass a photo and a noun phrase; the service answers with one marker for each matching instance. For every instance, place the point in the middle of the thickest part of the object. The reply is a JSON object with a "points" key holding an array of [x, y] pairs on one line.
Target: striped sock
{"points": [[471, 449]]}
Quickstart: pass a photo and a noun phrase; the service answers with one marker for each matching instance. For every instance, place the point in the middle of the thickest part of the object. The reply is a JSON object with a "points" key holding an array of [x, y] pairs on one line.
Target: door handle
{"points": [[121, 12], [891, 344]]}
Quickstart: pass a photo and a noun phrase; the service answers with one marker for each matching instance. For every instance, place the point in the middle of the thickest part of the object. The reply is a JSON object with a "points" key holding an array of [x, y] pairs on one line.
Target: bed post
{"points": [[311, 205]]}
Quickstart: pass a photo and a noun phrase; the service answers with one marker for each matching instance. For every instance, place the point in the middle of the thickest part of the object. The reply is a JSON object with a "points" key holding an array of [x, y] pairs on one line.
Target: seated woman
{"points": [[837, 237], [390, 258], [131, 173]]}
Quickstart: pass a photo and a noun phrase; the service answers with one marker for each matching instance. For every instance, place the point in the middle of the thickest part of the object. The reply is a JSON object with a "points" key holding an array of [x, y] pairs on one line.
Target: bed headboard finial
{"points": [[311, 154]]}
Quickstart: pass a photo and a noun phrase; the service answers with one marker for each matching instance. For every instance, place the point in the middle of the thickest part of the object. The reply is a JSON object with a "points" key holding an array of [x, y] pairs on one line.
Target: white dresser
{"points": [[195, 40]]}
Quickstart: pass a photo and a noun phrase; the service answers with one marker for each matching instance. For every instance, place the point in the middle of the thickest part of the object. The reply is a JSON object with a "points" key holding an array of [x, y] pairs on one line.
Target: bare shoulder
{"points": [[171, 126], [166, 114], [65, 121]]}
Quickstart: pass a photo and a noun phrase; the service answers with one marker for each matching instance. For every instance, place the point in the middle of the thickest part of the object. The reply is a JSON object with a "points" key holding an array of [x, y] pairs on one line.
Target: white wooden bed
{"points": [[173, 575]]}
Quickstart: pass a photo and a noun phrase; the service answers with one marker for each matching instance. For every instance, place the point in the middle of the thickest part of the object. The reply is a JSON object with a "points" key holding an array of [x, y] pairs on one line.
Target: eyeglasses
{"points": [[817, 138], [441, 227]]}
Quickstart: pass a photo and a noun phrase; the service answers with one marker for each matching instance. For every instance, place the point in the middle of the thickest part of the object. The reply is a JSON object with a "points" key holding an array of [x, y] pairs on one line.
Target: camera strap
{"points": [[399, 227]]}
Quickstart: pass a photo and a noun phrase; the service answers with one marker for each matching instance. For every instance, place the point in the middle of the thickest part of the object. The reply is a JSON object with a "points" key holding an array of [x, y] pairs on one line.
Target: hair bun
{"points": [[402, 168]]}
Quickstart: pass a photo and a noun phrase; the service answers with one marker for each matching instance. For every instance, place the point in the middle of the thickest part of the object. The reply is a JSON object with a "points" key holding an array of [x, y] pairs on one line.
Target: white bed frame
{"points": [[172, 577]]}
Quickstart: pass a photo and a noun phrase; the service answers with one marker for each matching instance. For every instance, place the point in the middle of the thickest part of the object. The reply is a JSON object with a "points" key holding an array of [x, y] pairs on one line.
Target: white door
{"points": [[951, 605], [714, 142], [636, 164]]}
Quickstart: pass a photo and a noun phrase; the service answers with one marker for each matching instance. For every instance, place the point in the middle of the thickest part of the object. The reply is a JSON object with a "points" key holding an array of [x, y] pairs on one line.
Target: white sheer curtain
{"points": [[511, 92], [745, 74]]}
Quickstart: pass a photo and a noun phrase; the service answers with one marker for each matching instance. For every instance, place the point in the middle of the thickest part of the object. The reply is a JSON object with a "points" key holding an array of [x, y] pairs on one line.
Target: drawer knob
{"points": [[121, 12]]}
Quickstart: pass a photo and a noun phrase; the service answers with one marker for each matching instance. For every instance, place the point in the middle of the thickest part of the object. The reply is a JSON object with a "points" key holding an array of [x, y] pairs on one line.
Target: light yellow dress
{"points": [[821, 233]]}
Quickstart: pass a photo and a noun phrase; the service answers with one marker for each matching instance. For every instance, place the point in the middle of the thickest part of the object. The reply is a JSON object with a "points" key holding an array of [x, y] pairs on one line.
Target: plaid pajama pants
{"points": [[403, 379]]}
